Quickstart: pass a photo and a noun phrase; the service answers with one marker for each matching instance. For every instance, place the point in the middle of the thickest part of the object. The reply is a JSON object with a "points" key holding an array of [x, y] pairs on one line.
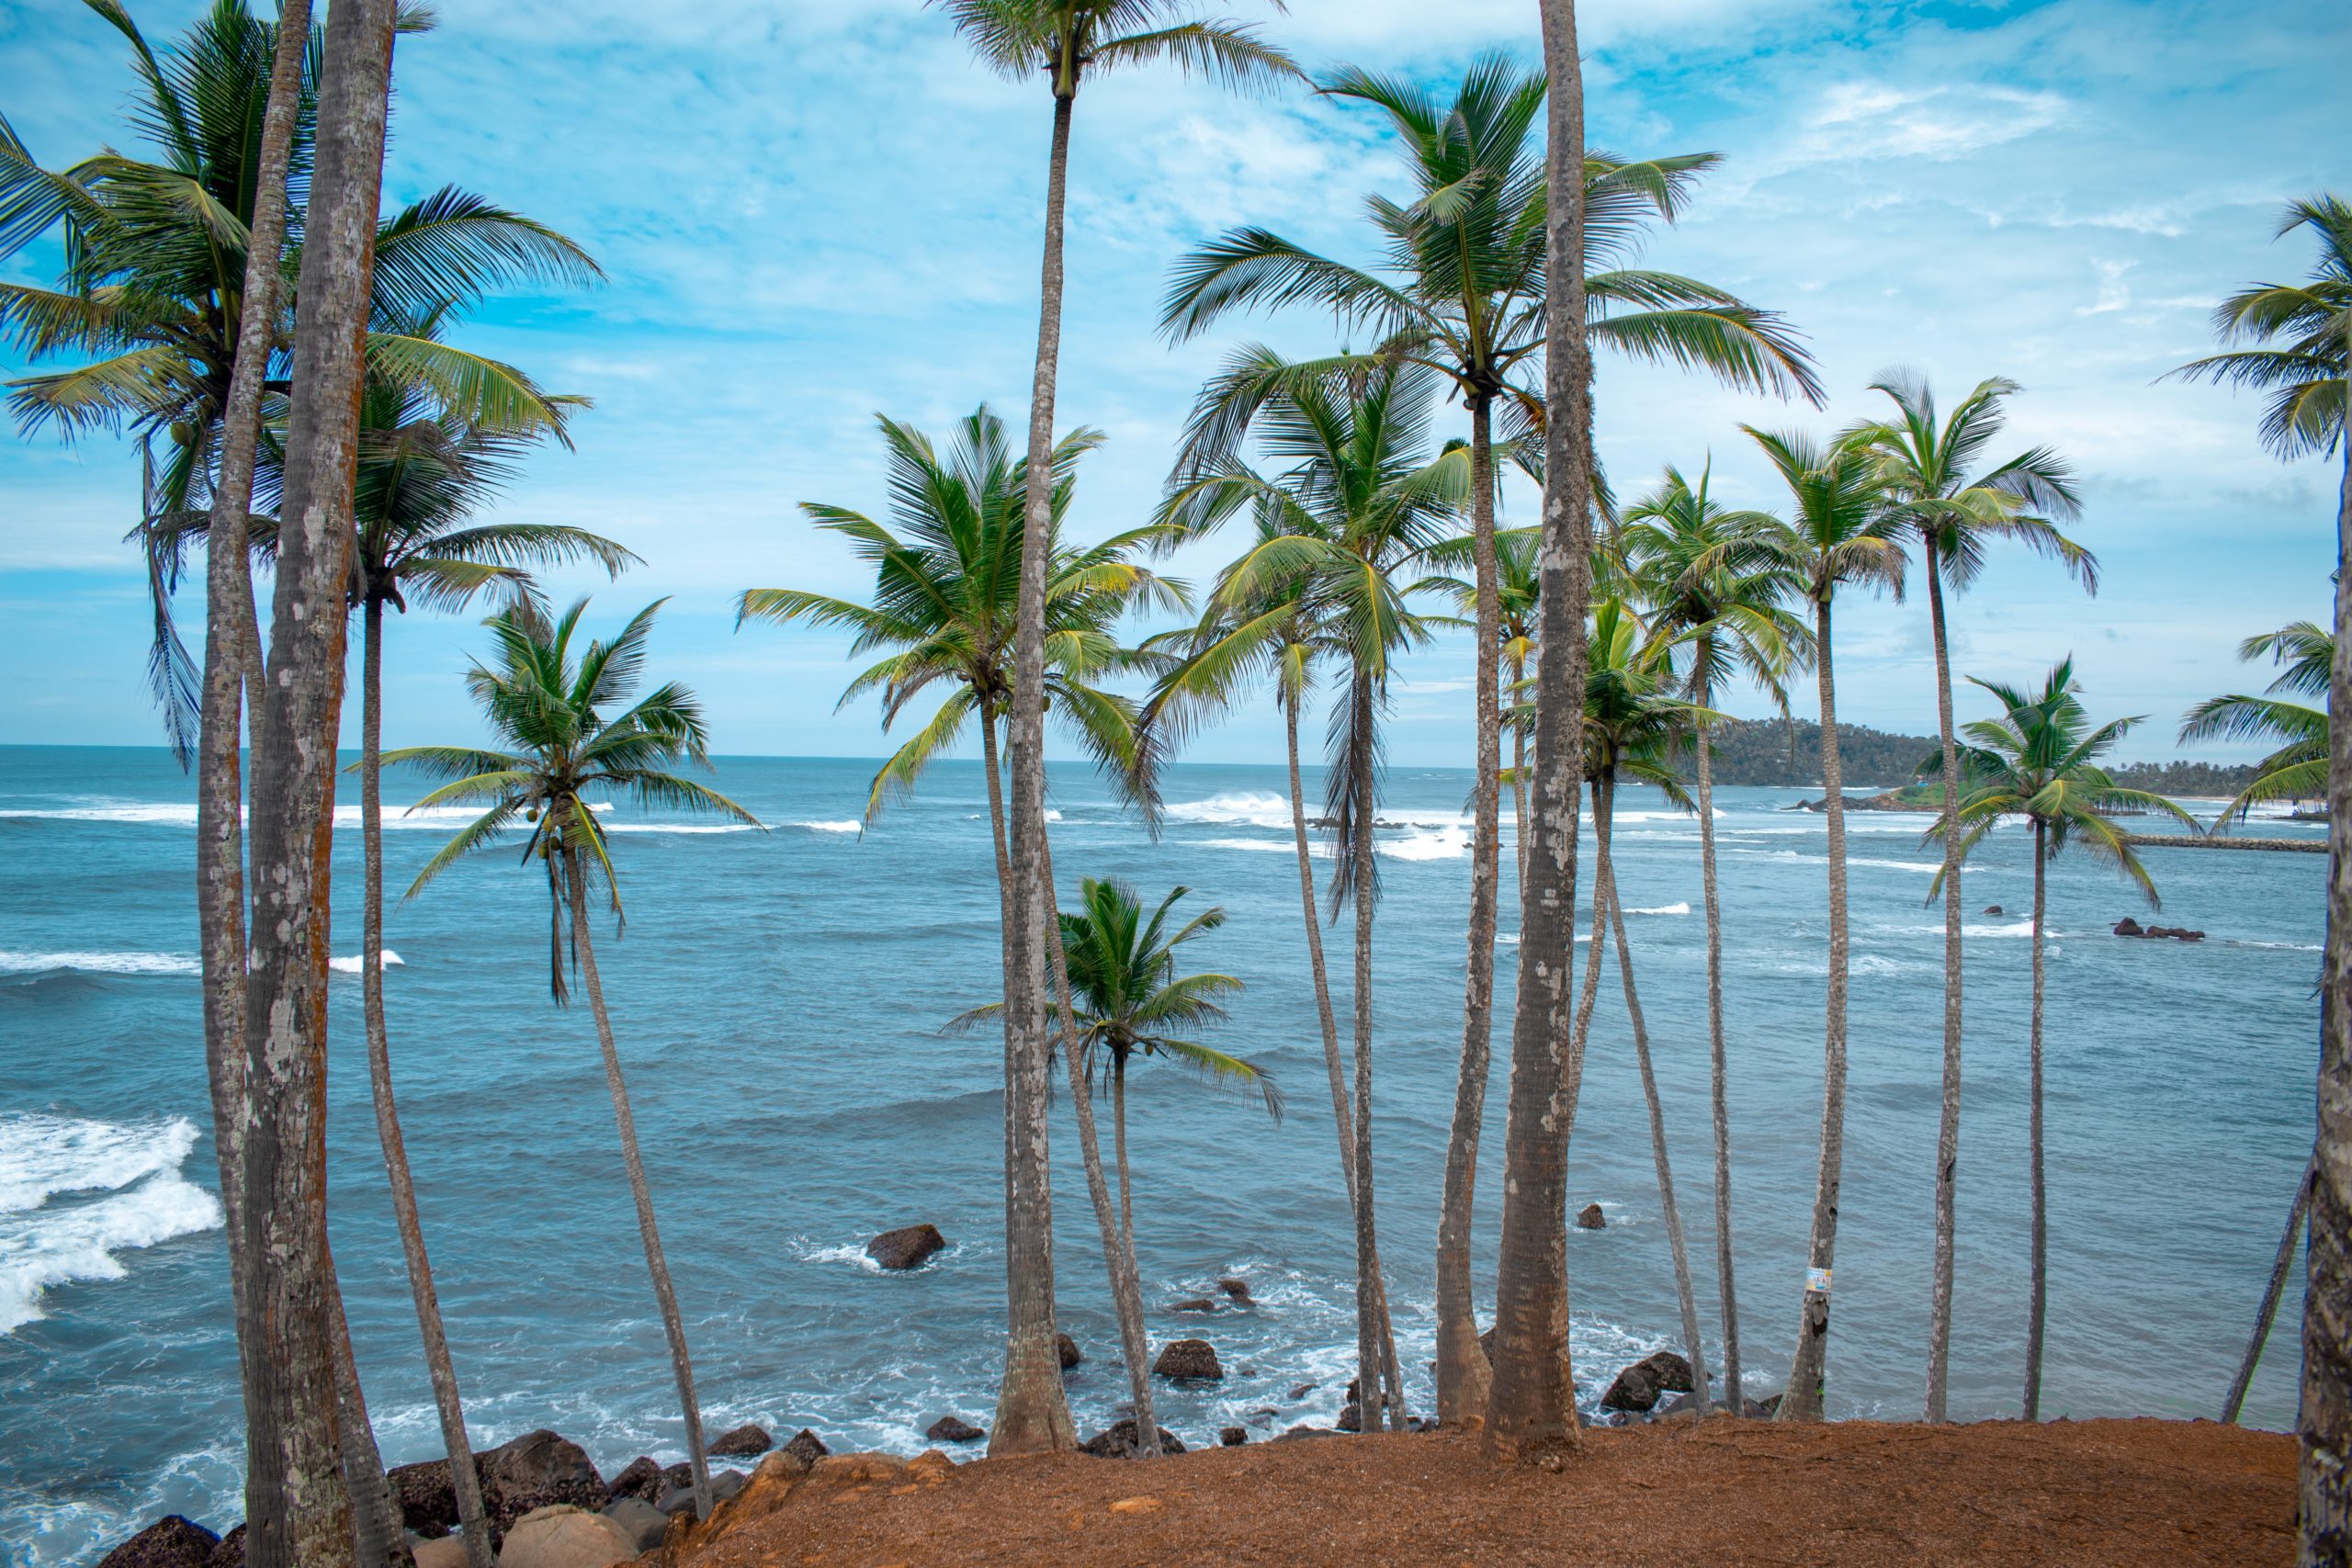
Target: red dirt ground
{"points": [[1725, 1492]]}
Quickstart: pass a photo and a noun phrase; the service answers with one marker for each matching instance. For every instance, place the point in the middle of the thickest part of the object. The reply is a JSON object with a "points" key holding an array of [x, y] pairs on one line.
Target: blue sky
{"points": [[815, 210]]}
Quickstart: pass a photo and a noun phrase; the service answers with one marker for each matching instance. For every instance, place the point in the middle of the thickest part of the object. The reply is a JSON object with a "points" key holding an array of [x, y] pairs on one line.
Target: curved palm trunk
{"points": [[1718, 1071], [1809, 1371], [1462, 1374], [468, 1486], [2234, 1401], [666, 1294], [1032, 1412], [2038, 1311], [1372, 1367], [378, 1530], [1605, 874], [1531, 1413], [1948, 1130]]}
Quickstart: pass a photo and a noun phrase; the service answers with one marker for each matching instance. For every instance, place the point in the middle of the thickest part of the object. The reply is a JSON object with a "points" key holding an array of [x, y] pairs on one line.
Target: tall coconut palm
{"points": [[1065, 42], [1715, 587], [1463, 295], [1361, 503], [946, 585], [1955, 515], [1837, 535], [1516, 583], [550, 706], [2295, 342], [2041, 761], [2297, 770], [153, 288]]}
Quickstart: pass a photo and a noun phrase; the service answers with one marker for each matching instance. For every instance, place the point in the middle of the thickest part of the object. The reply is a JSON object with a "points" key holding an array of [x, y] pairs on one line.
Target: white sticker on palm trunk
{"points": [[1816, 1281]]}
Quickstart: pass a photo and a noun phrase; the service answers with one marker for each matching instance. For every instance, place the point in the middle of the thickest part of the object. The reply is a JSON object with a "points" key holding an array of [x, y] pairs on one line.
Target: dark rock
{"points": [[1638, 1386], [172, 1541], [726, 1485], [638, 1520], [1486, 1346], [1237, 1289], [1198, 1303], [1992, 908], [231, 1552], [1295, 1433], [2127, 926], [1187, 1359], [1681, 1405], [1233, 1436], [2178, 933], [428, 1504], [907, 1247], [745, 1441], [1350, 1419], [1118, 1441], [679, 1474], [1760, 1409], [1301, 1392], [953, 1429], [676, 1501], [639, 1478], [535, 1470], [1071, 1354], [808, 1446], [1591, 1218]]}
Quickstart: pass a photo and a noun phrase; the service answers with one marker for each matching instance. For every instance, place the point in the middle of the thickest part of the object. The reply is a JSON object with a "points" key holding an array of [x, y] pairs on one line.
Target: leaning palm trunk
{"points": [[1718, 1070], [1372, 1368], [1605, 886], [1532, 1407], [1809, 1370], [1947, 1131], [378, 1530], [2038, 1311], [2326, 1423], [466, 1484], [1462, 1374], [297, 1509], [2234, 1401], [584, 949]]}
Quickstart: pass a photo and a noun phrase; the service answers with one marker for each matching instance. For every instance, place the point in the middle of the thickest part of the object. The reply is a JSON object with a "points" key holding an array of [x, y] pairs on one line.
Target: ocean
{"points": [[778, 998]]}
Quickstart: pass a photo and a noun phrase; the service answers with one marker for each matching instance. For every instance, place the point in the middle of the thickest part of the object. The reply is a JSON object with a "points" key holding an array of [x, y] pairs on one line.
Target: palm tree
{"points": [[1065, 42], [154, 286], [2297, 770], [2041, 761], [2297, 346], [1516, 582], [946, 582], [1465, 296], [1359, 506], [1955, 515], [1699, 566], [1837, 533], [550, 706]]}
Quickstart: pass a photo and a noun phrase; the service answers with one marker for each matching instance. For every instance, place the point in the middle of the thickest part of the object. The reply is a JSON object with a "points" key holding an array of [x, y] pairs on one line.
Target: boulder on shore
{"points": [[1069, 1350], [806, 1447], [640, 1478], [1591, 1218], [1188, 1361], [745, 1441], [563, 1535], [953, 1429], [427, 1502], [444, 1552], [231, 1552], [1118, 1441], [536, 1470], [173, 1541], [906, 1248], [1637, 1387], [639, 1521], [1233, 1436]]}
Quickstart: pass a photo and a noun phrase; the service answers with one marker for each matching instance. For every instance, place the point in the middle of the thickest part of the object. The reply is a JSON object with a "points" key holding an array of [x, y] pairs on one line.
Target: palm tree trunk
{"points": [[2326, 1423], [1605, 874], [2235, 1400], [1372, 1368], [1119, 1147], [1519, 778], [994, 763], [378, 1536], [1462, 1374], [1718, 1074], [1532, 1407], [1809, 1371], [2038, 1311], [297, 1509], [1948, 1132], [665, 1293], [1032, 1412], [468, 1486]]}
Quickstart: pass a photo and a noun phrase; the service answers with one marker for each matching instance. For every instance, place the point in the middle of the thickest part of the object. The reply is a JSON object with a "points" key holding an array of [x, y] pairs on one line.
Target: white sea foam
{"points": [[1442, 843], [138, 1166], [1245, 808], [2279, 946], [101, 963], [2019, 928], [351, 965], [846, 825], [1675, 908], [851, 1253], [1320, 851]]}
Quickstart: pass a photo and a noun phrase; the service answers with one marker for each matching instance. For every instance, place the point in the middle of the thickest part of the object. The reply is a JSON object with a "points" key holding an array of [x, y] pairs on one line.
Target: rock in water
{"points": [[563, 1535], [639, 1521], [953, 1429], [1239, 1289], [806, 1447], [745, 1440], [536, 1470], [1068, 1350], [640, 1478], [172, 1541], [1187, 1360], [1118, 1441], [1638, 1386], [2127, 926], [1198, 1303], [907, 1247], [1992, 908], [1591, 1218]]}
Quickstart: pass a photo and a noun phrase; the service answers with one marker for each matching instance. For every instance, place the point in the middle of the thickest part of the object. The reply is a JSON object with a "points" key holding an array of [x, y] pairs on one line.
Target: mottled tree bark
{"points": [[1531, 1408], [1948, 1129], [1372, 1367], [2038, 1306], [1718, 1071]]}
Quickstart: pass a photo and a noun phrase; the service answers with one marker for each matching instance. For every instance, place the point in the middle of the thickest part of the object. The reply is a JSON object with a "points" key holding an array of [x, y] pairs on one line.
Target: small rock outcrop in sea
{"points": [[806, 1447], [563, 1535], [744, 1442], [1591, 1218], [1638, 1386], [1068, 1350], [2127, 926], [905, 1247], [1188, 1361], [1233, 1436], [953, 1429], [640, 1477], [1992, 908], [638, 1520], [1118, 1441], [1197, 1303], [1237, 1289], [172, 1541]]}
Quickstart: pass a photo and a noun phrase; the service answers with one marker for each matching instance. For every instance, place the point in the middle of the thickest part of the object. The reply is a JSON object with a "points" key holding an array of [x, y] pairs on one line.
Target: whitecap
{"points": [[1246, 807], [149, 1202], [351, 965], [101, 963], [1678, 908], [844, 825], [1320, 851], [851, 1253], [1444, 844]]}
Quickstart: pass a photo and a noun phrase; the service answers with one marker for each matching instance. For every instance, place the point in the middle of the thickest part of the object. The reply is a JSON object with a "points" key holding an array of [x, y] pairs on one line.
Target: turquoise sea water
{"points": [[778, 998]]}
